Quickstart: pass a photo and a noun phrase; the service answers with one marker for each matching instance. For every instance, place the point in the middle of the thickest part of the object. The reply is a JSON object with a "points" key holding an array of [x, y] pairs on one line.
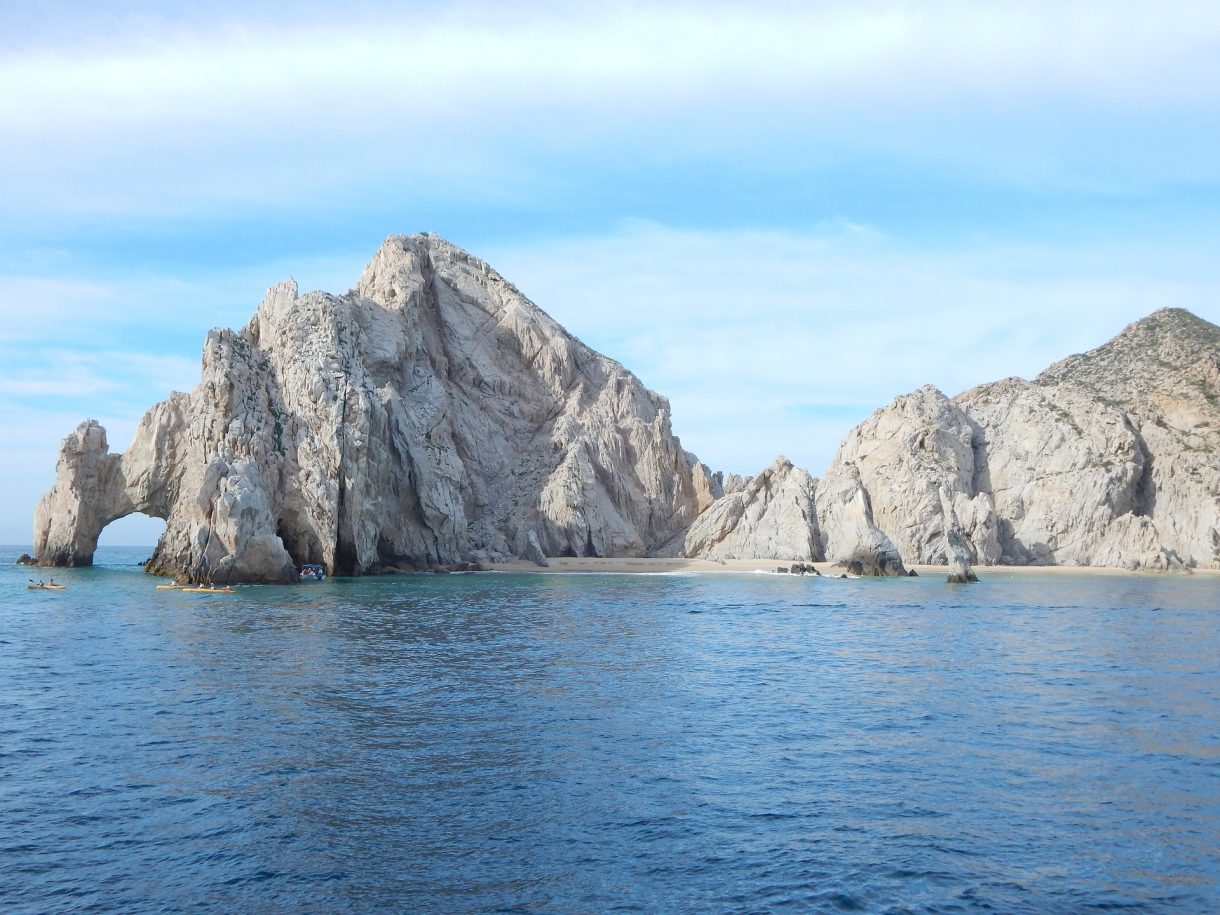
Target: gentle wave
{"points": [[578, 743]]}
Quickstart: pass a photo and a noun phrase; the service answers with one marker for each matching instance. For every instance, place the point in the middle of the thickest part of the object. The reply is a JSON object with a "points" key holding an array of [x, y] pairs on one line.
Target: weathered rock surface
{"points": [[772, 516], [435, 418], [431, 416], [957, 552], [903, 457], [1110, 458], [848, 534]]}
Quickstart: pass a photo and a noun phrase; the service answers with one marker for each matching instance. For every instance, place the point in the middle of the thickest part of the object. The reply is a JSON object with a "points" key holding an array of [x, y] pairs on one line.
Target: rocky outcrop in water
{"points": [[431, 416], [913, 464], [434, 417], [1110, 458], [847, 529]]}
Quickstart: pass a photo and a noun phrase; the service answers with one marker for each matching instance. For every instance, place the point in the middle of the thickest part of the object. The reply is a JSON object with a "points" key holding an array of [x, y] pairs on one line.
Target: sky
{"points": [[779, 215]]}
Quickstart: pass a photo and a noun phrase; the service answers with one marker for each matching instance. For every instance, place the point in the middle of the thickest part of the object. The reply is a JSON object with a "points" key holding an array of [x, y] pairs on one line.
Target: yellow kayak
{"points": [[171, 587], [210, 590], [34, 587]]}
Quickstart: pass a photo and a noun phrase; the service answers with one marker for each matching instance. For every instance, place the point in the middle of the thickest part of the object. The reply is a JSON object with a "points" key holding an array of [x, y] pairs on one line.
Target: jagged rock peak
{"points": [[431, 416], [410, 256], [1109, 458], [1171, 350], [772, 516]]}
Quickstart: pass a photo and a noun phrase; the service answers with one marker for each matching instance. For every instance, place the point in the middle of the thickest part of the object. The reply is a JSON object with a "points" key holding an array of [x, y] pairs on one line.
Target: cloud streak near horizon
{"points": [[779, 215], [178, 116]]}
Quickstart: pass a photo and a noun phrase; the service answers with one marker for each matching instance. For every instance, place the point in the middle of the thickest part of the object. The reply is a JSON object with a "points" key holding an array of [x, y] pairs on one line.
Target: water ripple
{"points": [[611, 743]]}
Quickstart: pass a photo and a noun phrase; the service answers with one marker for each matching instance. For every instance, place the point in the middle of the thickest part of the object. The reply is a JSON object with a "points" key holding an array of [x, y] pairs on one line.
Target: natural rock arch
{"points": [[432, 416], [91, 490]]}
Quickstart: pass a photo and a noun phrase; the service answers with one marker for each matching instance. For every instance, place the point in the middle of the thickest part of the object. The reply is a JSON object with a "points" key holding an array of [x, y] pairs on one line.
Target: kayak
{"points": [[33, 587], [210, 590]]}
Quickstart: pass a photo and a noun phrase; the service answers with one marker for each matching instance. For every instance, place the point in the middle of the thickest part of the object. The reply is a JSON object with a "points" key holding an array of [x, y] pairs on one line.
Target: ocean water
{"points": [[607, 743]]}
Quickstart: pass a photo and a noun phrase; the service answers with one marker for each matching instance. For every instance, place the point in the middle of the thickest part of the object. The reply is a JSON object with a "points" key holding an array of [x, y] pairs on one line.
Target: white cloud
{"points": [[92, 375], [211, 114], [138, 310]]}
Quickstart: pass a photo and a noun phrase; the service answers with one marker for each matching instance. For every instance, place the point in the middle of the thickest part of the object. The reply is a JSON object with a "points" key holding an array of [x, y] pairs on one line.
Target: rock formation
{"points": [[769, 516], [848, 531], [900, 461], [434, 417], [957, 553], [431, 416], [1110, 458]]}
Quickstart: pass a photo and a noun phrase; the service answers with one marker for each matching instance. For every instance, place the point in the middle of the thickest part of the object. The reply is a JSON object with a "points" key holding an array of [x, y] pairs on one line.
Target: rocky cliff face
{"points": [[901, 460], [770, 516], [1110, 458], [435, 416], [432, 415]]}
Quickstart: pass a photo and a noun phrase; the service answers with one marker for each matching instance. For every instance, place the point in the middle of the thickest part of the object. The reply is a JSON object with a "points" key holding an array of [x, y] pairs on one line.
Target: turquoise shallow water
{"points": [[676, 743]]}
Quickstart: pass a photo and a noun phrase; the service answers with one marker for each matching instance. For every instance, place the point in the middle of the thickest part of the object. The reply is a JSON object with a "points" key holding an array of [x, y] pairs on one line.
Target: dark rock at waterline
{"points": [[799, 568], [879, 560]]}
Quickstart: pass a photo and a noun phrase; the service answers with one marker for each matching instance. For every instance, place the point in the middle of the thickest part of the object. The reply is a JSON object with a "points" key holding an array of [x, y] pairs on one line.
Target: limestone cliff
{"points": [[770, 516], [902, 458], [432, 415], [848, 529], [1110, 458]]}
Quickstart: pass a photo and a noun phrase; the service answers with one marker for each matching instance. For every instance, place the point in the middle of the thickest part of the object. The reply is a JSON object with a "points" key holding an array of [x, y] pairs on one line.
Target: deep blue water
{"points": [[530, 743]]}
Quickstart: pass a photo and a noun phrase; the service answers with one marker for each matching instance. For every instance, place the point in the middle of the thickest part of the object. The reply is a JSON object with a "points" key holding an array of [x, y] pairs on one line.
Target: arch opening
{"points": [[298, 538], [128, 540]]}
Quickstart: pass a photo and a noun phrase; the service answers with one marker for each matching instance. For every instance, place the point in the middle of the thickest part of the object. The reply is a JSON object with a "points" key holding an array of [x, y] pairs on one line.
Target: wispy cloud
{"points": [[167, 114], [89, 375], [120, 306]]}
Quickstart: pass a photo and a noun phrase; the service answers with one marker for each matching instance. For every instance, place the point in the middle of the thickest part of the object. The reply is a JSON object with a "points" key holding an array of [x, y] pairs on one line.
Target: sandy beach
{"points": [[655, 566]]}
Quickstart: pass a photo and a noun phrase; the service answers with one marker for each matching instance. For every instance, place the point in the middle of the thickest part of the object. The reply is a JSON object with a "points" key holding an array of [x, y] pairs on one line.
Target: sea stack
{"points": [[431, 416]]}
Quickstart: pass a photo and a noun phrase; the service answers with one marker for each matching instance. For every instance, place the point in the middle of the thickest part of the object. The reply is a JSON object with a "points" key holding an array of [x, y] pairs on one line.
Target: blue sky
{"points": [[778, 215]]}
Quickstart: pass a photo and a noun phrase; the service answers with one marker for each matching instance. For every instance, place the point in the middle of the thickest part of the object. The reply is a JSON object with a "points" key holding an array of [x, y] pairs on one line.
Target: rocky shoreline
{"points": [[661, 566], [433, 417]]}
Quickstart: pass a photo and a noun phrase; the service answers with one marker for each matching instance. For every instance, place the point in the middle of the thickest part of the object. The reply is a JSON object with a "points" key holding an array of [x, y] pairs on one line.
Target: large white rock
{"points": [[847, 529], [771, 517], [904, 456], [428, 417], [1110, 458], [1060, 468], [433, 415]]}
